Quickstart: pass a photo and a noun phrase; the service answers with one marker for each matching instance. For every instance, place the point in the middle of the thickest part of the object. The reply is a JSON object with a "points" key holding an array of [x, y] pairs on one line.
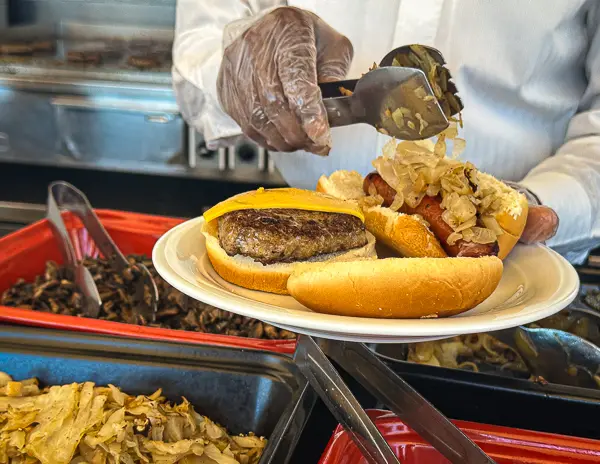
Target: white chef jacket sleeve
{"points": [[200, 29], [569, 181]]}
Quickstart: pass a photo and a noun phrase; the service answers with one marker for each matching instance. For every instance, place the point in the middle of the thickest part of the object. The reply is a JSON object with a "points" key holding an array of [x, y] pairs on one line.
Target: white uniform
{"points": [[528, 72]]}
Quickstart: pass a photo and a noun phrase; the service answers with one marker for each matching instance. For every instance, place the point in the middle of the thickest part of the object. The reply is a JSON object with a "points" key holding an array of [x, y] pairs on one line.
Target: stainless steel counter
{"points": [[14, 216]]}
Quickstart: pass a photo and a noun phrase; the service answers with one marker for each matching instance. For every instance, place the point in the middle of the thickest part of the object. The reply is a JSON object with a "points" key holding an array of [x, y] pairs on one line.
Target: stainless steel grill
{"points": [[89, 86]]}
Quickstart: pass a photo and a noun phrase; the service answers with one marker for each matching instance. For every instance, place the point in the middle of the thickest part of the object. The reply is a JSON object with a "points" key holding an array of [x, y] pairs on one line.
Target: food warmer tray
{"points": [[24, 253], [467, 396], [590, 278], [506, 445], [244, 390]]}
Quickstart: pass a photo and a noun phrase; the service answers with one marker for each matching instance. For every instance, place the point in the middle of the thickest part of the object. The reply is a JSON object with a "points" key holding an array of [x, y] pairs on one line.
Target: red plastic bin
{"points": [[24, 253], [503, 444]]}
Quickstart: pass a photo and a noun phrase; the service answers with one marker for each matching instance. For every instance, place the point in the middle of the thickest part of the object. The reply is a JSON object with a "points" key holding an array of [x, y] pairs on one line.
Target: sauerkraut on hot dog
{"points": [[422, 203]]}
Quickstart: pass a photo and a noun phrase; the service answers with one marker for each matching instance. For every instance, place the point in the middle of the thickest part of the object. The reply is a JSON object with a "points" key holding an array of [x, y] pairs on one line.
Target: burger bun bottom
{"points": [[248, 273]]}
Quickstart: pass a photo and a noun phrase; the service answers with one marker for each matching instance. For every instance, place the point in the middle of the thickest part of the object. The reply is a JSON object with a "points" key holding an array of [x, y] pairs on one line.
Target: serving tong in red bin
{"points": [[397, 98], [356, 359], [64, 196]]}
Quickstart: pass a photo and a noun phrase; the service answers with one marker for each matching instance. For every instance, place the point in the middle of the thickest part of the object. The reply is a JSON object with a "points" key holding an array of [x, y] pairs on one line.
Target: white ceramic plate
{"points": [[537, 282]]}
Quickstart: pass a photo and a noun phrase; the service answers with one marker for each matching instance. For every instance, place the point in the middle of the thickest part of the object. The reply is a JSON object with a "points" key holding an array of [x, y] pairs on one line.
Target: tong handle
{"points": [[54, 216], [72, 199], [405, 402], [339, 107], [329, 385], [332, 89], [81, 275], [64, 195]]}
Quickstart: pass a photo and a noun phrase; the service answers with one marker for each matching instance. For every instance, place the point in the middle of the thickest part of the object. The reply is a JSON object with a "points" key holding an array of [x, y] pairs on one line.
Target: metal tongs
{"points": [[311, 357], [64, 196], [409, 96]]}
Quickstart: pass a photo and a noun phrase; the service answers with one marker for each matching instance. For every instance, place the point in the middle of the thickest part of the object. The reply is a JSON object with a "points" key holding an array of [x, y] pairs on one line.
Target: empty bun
{"points": [[403, 233], [272, 278], [399, 288]]}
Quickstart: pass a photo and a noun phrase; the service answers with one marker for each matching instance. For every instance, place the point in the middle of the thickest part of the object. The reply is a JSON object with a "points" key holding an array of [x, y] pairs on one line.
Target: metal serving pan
{"points": [[242, 390], [563, 349], [574, 333], [501, 443], [23, 255], [468, 396]]}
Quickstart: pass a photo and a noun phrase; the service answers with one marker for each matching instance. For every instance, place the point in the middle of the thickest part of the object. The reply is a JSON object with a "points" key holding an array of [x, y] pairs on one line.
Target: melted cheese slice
{"points": [[285, 198]]}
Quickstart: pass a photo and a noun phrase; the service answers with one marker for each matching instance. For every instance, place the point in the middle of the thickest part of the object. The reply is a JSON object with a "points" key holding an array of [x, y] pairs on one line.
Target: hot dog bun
{"points": [[410, 236], [400, 288], [272, 278], [512, 227], [405, 234]]}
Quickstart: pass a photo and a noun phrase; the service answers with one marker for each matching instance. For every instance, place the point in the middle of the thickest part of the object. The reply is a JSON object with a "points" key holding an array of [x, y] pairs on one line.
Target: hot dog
{"points": [[431, 210], [422, 203]]}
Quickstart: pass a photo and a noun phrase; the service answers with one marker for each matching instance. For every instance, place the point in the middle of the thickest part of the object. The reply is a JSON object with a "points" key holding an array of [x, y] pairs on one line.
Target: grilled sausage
{"points": [[431, 210], [382, 187]]}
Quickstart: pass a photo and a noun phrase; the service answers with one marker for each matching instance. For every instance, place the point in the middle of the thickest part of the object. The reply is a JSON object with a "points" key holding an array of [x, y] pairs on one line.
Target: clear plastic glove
{"points": [[542, 221], [268, 79], [542, 224]]}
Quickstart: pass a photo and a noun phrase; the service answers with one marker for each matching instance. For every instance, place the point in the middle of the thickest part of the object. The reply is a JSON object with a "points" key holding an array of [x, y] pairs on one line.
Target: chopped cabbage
{"points": [[82, 423], [415, 169]]}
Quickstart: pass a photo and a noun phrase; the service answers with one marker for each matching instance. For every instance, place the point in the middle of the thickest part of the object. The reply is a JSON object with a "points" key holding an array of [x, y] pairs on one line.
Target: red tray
{"points": [[503, 444], [24, 253]]}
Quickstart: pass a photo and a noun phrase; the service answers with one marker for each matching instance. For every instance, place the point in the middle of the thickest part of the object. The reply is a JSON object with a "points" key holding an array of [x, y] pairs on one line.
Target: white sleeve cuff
{"points": [[565, 195], [201, 110]]}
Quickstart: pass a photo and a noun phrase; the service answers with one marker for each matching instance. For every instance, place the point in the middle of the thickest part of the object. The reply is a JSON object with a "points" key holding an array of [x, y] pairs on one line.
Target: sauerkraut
{"points": [[418, 168], [83, 423], [437, 75]]}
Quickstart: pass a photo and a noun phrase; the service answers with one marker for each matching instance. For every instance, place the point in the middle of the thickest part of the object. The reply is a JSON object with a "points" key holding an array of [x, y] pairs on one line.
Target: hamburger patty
{"points": [[287, 235]]}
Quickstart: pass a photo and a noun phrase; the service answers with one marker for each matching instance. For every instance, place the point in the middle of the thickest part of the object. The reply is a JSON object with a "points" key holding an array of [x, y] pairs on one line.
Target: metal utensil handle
{"points": [[287, 434], [405, 402], [328, 384], [60, 232], [339, 111], [333, 89], [81, 275], [73, 200], [338, 105]]}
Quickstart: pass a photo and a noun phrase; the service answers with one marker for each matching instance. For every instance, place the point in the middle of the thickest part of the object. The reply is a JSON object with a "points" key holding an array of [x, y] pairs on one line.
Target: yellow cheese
{"points": [[288, 198]]}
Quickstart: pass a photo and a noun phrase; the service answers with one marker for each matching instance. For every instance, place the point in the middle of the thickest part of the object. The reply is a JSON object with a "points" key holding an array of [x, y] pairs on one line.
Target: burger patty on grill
{"points": [[287, 235]]}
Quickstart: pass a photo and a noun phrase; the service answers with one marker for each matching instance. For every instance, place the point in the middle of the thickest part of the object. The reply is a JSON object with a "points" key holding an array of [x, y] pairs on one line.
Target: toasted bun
{"points": [[512, 224], [400, 288], [403, 233], [345, 185], [272, 278]]}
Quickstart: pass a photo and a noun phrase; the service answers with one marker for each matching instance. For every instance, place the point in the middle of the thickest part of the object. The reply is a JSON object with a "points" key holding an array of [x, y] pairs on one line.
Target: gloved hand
{"points": [[542, 224], [268, 79], [542, 221]]}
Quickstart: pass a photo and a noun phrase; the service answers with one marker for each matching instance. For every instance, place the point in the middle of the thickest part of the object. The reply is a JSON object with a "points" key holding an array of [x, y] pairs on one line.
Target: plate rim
{"points": [[371, 327]]}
